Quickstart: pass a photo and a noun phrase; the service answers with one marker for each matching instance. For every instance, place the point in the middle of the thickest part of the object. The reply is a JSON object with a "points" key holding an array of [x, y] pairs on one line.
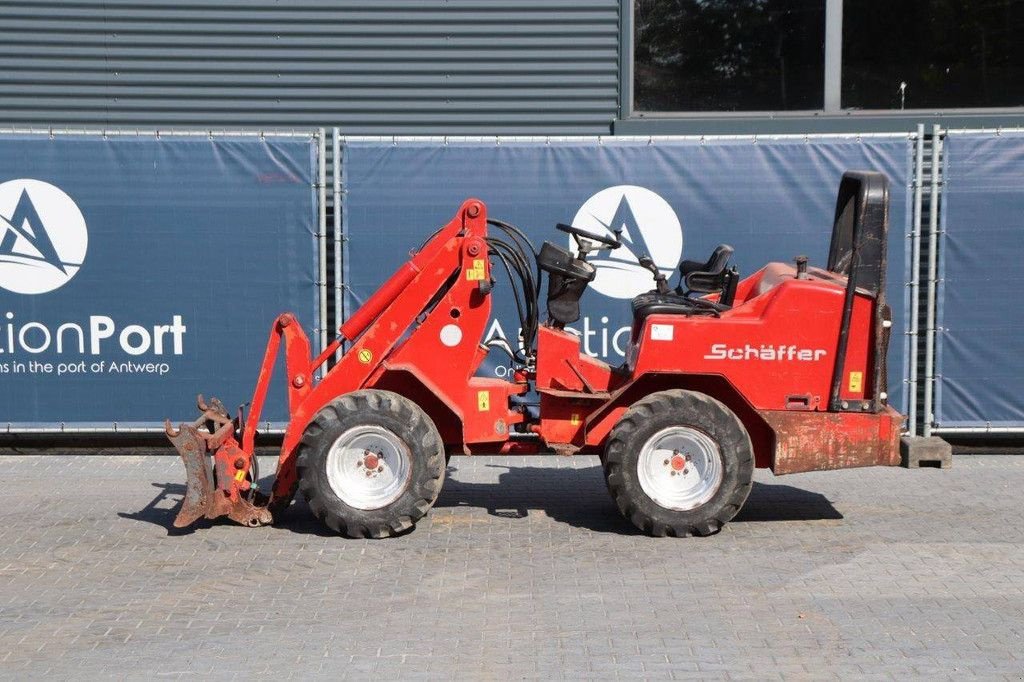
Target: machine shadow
{"points": [[780, 502], [161, 510], [578, 497], [575, 496]]}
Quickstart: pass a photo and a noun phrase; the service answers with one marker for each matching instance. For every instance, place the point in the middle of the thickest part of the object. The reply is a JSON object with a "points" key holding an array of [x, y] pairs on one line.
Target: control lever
{"points": [[660, 281]]}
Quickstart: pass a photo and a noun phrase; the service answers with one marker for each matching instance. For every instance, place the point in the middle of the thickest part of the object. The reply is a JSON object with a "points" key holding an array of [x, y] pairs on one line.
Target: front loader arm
{"points": [[380, 324], [229, 488], [374, 330], [297, 365]]}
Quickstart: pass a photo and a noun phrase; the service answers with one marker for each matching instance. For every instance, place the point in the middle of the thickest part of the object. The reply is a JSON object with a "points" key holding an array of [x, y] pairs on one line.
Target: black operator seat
{"points": [[712, 276], [705, 278]]}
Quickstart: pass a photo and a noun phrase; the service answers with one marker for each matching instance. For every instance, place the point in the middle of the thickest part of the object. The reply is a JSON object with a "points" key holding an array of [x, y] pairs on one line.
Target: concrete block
{"points": [[917, 451]]}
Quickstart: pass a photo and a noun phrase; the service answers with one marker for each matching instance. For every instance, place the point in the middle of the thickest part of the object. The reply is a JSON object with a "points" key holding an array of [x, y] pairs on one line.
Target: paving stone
{"points": [[524, 569]]}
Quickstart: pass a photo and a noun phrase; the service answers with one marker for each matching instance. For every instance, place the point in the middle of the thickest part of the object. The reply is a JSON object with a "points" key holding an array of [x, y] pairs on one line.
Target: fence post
{"points": [[339, 311], [933, 247], [321, 239], [915, 297]]}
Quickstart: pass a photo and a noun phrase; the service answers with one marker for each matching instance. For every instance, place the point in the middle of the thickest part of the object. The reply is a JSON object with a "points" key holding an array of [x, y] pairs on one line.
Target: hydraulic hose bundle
{"points": [[513, 255]]}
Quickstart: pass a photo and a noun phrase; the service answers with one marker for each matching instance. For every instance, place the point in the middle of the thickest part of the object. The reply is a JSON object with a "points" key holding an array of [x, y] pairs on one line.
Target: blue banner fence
{"points": [[232, 228], [138, 270], [978, 329]]}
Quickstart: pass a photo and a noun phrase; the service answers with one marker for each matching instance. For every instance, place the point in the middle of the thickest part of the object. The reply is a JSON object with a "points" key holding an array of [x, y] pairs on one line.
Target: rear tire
{"points": [[371, 464], [679, 463]]}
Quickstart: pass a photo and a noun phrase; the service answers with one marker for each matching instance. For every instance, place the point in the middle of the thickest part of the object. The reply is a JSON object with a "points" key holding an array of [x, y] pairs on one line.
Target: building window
{"points": [[932, 54], [728, 55], [701, 56]]}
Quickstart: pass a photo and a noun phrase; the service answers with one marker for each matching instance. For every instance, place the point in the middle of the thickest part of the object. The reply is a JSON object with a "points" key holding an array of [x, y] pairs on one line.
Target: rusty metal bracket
{"points": [[212, 492]]}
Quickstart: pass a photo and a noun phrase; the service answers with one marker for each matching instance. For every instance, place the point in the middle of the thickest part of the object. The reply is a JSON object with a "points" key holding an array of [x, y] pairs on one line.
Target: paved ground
{"points": [[521, 571]]}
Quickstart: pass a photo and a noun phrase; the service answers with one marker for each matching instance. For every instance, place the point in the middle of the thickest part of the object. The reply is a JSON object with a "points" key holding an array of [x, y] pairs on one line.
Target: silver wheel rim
{"points": [[680, 468], [369, 467]]}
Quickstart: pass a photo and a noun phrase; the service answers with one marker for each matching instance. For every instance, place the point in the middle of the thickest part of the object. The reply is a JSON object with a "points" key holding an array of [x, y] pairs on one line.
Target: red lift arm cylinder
{"points": [[380, 300], [369, 311]]}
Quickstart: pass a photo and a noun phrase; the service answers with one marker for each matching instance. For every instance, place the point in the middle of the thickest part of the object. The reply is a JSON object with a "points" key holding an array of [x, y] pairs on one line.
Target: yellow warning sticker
{"points": [[477, 272], [856, 382], [483, 401], [240, 475], [365, 355], [575, 419]]}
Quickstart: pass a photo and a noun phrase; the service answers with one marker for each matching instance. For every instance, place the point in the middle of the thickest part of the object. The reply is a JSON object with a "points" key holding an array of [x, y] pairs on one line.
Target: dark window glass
{"points": [[949, 53], [728, 55]]}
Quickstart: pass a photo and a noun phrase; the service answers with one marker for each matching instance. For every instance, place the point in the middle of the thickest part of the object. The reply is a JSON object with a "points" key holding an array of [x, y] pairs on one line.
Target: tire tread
{"points": [[665, 408], [396, 518]]}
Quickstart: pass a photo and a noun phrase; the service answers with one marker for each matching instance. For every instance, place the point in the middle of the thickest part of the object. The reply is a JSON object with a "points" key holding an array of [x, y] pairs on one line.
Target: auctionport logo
{"points": [[647, 225], [43, 238]]}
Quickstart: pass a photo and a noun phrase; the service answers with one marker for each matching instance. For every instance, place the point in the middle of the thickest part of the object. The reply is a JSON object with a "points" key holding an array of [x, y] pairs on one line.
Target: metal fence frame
{"points": [[915, 301], [933, 252], [339, 240], [320, 326]]}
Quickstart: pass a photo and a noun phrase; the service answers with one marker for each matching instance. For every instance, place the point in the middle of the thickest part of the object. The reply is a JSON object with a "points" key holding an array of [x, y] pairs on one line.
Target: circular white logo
{"points": [[43, 238], [646, 225]]}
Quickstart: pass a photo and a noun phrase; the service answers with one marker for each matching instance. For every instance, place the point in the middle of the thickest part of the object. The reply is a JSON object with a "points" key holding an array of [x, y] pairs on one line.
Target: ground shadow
{"points": [[576, 496], [571, 495], [161, 510], [778, 502], [579, 497]]}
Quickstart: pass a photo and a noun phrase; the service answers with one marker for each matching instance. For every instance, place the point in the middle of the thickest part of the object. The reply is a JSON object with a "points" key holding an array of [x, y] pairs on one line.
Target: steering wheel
{"points": [[609, 242]]}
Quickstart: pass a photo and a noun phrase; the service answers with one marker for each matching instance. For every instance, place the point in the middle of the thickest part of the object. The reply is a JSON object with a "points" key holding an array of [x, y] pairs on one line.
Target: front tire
{"points": [[371, 464], [679, 463]]}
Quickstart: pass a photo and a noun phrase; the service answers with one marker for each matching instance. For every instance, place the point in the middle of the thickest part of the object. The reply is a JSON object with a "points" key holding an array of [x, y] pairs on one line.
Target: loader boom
{"points": [[380, 324], [373, 331]]}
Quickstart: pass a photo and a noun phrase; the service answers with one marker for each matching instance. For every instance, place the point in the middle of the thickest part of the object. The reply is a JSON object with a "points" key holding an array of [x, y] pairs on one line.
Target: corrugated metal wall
{"points": [[390, 67]]}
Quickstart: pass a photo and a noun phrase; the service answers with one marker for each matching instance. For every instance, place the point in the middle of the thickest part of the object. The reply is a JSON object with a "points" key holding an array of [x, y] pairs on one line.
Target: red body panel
{"points": [[572, 385], [777, 347]]}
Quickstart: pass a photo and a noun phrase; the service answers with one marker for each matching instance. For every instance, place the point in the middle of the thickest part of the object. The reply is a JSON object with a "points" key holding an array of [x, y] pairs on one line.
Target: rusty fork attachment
{"points": [[228, 488]]}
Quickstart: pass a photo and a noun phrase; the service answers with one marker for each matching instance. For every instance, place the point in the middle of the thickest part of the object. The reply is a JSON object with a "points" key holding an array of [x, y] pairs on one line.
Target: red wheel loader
{"points": [[783, 369]]}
